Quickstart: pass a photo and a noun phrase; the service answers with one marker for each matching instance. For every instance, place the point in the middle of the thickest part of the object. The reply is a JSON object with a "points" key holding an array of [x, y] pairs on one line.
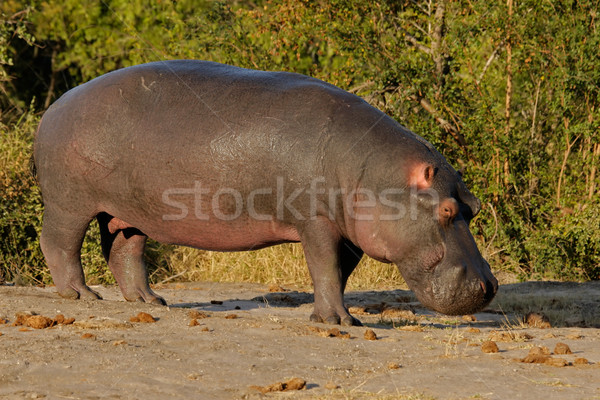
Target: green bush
{"points": [[511, 99], [20, 205]]}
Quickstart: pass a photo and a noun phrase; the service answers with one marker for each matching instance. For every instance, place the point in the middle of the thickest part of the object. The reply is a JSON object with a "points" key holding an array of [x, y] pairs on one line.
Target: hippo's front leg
{"points": [[331, 260]]}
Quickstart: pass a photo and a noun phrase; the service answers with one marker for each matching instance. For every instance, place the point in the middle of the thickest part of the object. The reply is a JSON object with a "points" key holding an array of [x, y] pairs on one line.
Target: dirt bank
{"points": [[220, 341]]}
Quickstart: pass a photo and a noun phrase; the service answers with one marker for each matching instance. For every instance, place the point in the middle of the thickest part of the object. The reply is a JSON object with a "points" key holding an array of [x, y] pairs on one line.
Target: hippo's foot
{"points": [[80, 292], [335, 319], [144, 296]]}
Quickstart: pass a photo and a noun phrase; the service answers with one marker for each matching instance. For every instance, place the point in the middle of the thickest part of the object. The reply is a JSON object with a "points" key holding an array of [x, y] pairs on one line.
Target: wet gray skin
{"points": [[222, 158]]}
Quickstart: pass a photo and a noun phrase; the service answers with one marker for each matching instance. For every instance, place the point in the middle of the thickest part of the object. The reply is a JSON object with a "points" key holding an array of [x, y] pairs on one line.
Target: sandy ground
{"points": [[258, 337]]}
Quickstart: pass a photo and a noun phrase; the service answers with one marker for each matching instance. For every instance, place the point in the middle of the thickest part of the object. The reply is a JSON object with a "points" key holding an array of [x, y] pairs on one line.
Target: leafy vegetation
{"points": [[507, 91]]}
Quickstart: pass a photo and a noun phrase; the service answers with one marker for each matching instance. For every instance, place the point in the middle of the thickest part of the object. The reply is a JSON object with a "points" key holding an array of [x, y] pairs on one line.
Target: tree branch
{"points": [[415, 42], [446, 125]]}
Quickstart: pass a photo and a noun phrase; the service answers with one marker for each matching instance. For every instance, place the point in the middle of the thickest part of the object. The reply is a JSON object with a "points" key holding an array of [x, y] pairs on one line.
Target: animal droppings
{"points": [[61, 320], [370, 335], [539, 350], [489, 347], [195, 314], [557, 362], [143, 317], [541, 355], [511, 336], [562, 348], [411, 328], [333, 332], [274, 288], [88, 336], [537, 320], [292, 384], [39, 322]]}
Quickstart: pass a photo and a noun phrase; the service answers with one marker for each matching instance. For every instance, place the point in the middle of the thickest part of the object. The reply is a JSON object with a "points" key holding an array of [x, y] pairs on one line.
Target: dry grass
{"points": [[564, 303], [282, 265]]}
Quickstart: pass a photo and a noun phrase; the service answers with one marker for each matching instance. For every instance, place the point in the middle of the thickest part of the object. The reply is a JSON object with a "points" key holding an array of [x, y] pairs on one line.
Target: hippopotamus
{"points": [[223, 158]]}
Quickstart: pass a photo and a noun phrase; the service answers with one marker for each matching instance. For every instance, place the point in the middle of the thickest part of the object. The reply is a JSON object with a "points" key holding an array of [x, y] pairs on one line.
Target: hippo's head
{"points": [[431, 243]]}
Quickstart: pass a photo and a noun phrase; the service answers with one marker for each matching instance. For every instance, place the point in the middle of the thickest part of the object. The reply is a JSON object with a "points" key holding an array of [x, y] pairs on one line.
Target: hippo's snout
{"points": [[459, 290]]}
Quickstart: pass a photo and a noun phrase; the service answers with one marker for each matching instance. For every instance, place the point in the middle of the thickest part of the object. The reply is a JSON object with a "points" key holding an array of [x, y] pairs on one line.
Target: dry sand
{"points": [[258, 339]]}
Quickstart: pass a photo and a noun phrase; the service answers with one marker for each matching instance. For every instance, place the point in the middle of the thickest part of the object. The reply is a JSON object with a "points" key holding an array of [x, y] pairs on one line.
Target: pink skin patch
{"points": [[421, 176], [117, 224]]}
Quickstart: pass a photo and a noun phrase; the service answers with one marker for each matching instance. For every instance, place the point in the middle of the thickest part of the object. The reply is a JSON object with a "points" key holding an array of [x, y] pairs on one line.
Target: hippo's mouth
{"points": [[449, 291]]}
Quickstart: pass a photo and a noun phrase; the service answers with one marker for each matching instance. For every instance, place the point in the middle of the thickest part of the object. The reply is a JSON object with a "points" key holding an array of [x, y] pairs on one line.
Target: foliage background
{"points": [[507, 90]]}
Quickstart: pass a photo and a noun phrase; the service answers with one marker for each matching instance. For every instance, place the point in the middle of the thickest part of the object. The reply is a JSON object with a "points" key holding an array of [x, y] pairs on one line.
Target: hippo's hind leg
{"points": [[331, 260], [124, 252], [61, 240]]}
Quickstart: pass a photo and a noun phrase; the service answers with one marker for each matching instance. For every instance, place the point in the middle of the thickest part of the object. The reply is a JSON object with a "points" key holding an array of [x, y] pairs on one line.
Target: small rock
{"points": [[562, 348], [231, 316], [119, 342], [489, 347], [473, 330], [331, 386], [469, 318], [370, 335], [581, 361], [217, 302], [194, 322]]}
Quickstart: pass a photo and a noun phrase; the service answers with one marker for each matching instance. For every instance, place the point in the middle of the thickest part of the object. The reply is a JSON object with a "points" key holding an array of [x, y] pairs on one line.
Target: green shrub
{"points": [[20, 205], [535, 165]]}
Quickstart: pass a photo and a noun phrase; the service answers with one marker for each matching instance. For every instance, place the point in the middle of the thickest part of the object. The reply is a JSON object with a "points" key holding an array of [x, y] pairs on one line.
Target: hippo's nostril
{"points": [[483, 287]]}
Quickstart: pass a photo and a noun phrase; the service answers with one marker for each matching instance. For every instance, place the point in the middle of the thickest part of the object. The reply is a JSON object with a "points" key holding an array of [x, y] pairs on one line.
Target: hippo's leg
{"points": [[330, 260], [61, 239], [350, 257], [124, 252]]}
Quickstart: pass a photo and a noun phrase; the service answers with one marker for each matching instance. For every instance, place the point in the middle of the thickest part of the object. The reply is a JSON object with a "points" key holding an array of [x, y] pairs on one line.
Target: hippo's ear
{"points": [[421, 175]]}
